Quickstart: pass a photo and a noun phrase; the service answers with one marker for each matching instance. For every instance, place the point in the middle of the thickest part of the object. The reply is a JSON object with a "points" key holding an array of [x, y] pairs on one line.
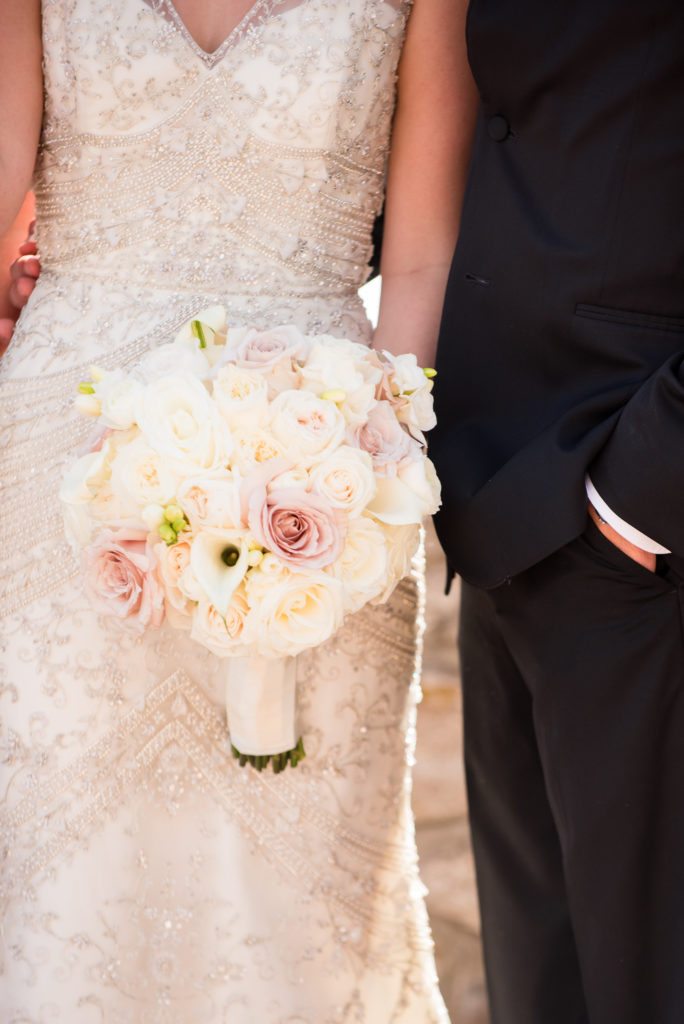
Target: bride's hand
{"points": [[23, 275]]}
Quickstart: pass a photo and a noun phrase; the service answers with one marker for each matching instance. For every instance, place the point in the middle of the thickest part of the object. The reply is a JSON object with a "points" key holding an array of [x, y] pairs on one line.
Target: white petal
{"points": [[218, 580]]}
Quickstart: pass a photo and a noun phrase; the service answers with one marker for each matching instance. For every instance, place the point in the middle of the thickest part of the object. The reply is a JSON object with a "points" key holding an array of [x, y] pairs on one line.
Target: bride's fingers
{"points": [[28, 248], [21, 290], [25, 266], [6, 331]]}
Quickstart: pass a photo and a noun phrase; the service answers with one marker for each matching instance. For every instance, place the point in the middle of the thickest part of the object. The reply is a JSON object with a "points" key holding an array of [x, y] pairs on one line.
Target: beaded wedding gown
{"points": [[146, 877]]}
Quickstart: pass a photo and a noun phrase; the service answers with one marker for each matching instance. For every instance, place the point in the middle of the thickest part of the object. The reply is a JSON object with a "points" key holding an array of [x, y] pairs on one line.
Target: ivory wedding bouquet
{"points": [[253, 488]]}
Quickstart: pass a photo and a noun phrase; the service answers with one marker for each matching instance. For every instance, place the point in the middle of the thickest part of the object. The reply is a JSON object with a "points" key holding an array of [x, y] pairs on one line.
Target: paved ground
{"points": [[441, 811]]}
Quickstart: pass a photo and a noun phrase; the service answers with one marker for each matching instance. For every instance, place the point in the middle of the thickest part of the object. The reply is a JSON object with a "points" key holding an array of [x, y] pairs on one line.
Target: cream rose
{"points": [[174, 564], [241, 396], [338, 365], [307, 427], [224, 635], [345, 479], [255, 447], [363, 566], [141, 474], [298, 612], [180, 421], [212, 502]]}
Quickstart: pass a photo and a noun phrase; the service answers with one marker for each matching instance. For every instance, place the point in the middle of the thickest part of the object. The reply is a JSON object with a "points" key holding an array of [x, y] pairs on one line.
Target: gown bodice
{"points": [[256, 171]]}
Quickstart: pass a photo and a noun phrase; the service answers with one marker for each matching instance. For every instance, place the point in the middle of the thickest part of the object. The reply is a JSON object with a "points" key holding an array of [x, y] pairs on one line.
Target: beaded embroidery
{"points": [[145, 879]]}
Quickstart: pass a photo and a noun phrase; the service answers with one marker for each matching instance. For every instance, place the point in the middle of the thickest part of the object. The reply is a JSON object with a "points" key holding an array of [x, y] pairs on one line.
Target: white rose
{"points": [[140, 473], [307, 427], [298, 612], [363, 566], [402, 545], [85, 477], [117, 394], [224, 634], [296, 477], [346, 479], [241, 396], [211, 502], [337, 365], [408, 497], [219, 562], [176, 358], [83, 481], [180, 421], [260, 580]]}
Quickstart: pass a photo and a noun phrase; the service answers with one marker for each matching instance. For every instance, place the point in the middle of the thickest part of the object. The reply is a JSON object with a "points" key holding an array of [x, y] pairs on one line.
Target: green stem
{"points": [[278, 762]]}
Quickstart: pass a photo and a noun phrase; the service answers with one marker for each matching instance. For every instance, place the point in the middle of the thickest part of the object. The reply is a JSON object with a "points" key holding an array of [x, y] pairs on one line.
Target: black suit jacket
{"points": [[562, 341]]}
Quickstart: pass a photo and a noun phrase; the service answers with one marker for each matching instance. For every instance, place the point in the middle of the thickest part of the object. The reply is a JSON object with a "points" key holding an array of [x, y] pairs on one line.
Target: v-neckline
{"points": [[213, 58]]}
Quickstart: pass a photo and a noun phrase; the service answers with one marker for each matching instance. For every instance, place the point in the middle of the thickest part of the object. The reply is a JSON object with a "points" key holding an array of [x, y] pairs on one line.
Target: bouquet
{"points": [[253, 488]]}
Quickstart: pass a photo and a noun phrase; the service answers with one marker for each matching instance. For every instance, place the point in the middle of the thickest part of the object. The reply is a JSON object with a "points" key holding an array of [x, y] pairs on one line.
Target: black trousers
{"points": [[573, 681]]}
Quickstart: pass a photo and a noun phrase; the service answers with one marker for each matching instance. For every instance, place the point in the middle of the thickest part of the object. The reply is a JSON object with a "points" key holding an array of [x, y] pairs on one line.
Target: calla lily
{"points": [[208, 330], [219, 562]]}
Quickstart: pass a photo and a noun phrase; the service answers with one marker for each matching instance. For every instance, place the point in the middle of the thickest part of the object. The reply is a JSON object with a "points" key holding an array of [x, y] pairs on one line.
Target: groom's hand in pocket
{"points": [[637, 554]]}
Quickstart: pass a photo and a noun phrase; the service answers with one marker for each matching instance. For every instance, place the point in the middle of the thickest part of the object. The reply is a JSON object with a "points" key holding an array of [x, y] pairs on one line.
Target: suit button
{"points": [[498, 128]]}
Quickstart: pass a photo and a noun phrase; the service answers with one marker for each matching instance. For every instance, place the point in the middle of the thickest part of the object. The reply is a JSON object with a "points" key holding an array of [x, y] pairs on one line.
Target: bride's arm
{"points": [[21, 103], [431, 142]]}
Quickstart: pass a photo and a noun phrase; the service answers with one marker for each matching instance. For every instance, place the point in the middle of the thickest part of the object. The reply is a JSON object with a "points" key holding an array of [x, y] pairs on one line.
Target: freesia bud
{"points": [[167, 533], [429, 372], [254, 558], [152, 516], [97, 373], [172, 513]]}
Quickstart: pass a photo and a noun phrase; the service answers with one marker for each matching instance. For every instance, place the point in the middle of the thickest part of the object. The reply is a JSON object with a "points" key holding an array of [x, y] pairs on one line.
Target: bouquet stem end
{"points": [[278, 762]]}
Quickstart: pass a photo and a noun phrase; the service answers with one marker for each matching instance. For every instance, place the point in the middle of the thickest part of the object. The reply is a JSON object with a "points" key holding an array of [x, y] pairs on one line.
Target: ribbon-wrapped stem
{"points": [[261, 702]]}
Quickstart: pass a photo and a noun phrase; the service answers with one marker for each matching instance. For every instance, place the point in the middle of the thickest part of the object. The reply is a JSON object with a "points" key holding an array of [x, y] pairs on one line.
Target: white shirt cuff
{"points": [[629, 533]]}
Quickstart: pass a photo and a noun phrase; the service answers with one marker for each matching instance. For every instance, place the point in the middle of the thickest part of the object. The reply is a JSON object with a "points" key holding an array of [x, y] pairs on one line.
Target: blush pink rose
{"points": [[120, 570], [386, 441], [262, 350], [300, 528]]}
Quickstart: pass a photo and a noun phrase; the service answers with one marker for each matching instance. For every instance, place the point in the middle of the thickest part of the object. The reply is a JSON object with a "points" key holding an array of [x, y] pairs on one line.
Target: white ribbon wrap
{"points": [[261, 701]]}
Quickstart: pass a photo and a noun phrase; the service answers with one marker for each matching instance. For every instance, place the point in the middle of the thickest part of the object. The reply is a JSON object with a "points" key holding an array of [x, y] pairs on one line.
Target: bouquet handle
{"points": [[261, 703]]}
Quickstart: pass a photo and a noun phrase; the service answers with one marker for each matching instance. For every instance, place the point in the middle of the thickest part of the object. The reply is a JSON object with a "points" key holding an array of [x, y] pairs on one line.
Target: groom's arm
{"points": [[639, 472]]}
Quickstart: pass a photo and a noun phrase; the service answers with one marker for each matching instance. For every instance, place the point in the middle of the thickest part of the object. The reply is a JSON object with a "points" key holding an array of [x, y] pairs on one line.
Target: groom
{"points": [[561, 449]]}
